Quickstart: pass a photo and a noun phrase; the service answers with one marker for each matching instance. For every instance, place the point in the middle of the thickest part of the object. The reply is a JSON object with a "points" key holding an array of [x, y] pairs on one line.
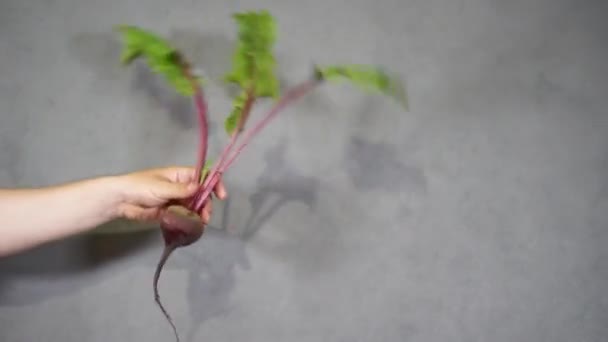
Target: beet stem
{"points": [[198, 205], [163, 259], [236, 134], [291, 96], [201, 107]]}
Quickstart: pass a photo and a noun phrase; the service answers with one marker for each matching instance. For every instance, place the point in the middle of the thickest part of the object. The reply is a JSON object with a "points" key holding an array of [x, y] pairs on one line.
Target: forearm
{"points": [[31, 217]]}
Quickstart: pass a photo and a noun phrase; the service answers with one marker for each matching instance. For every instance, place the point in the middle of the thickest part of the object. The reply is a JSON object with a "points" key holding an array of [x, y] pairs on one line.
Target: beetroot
{"points": [[180, 228], [253, 71]]}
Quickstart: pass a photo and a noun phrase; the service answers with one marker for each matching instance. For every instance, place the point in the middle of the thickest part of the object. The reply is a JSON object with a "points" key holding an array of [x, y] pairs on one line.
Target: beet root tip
{"points": [[180, 228]]}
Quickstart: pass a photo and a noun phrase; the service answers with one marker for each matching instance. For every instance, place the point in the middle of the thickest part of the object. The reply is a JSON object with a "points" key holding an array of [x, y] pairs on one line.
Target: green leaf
{"points": [[253, 62], [369, 78], [232, 120], [161, 57]]}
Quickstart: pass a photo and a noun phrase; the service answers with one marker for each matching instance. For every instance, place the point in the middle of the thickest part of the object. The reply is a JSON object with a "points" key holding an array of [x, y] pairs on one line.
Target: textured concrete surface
{"points": [[480, 215]]}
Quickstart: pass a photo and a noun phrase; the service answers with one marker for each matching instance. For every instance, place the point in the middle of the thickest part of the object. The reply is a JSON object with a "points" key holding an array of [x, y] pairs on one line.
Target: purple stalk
{"points": [[234, 137], [219, 164], [291, 96], [201, 107]]}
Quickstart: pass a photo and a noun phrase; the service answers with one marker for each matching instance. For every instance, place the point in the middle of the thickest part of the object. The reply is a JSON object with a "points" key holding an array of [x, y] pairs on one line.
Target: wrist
{"points": [[112, 196]]}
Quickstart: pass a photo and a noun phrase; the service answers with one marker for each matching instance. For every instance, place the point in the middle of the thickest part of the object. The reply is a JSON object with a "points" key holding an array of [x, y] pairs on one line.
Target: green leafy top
{"points": [[370, 78], [253, 62], [161, 57]]}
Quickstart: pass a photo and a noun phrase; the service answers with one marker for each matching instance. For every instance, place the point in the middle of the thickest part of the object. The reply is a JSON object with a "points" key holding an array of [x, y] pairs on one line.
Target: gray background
{"points": [[480, 215]]}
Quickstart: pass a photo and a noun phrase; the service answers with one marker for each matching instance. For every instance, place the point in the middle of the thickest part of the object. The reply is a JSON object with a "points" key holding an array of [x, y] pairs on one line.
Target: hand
{"points": [[145, 194]]}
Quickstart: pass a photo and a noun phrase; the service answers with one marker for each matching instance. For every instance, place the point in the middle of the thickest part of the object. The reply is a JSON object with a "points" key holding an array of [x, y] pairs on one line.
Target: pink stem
{"points": [[196, 204], [219, 164], [233, 139], [201, 107], [291, 96]]}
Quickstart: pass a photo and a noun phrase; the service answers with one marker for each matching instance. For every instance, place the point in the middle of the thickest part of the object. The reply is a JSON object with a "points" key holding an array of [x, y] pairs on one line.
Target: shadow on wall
{"points": [[179, 108], [282, 181], [378, 166], [373, 166], [210, 52], [71, 265], [60, 268], [281, 186], [211, 269], [99, 51], [211, 265]]}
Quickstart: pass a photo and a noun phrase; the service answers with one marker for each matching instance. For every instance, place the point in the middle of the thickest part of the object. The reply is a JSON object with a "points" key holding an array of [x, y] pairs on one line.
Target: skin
{"points": [[35, 216]]}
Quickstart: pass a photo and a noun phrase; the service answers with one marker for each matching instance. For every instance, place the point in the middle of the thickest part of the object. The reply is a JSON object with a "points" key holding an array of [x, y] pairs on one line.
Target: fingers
{"points": [[176, 174], [187, 175], [206, 213], [221, 193], [162, 186], [220, 190], [164, 191], [137, 213], [141, 214]]}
